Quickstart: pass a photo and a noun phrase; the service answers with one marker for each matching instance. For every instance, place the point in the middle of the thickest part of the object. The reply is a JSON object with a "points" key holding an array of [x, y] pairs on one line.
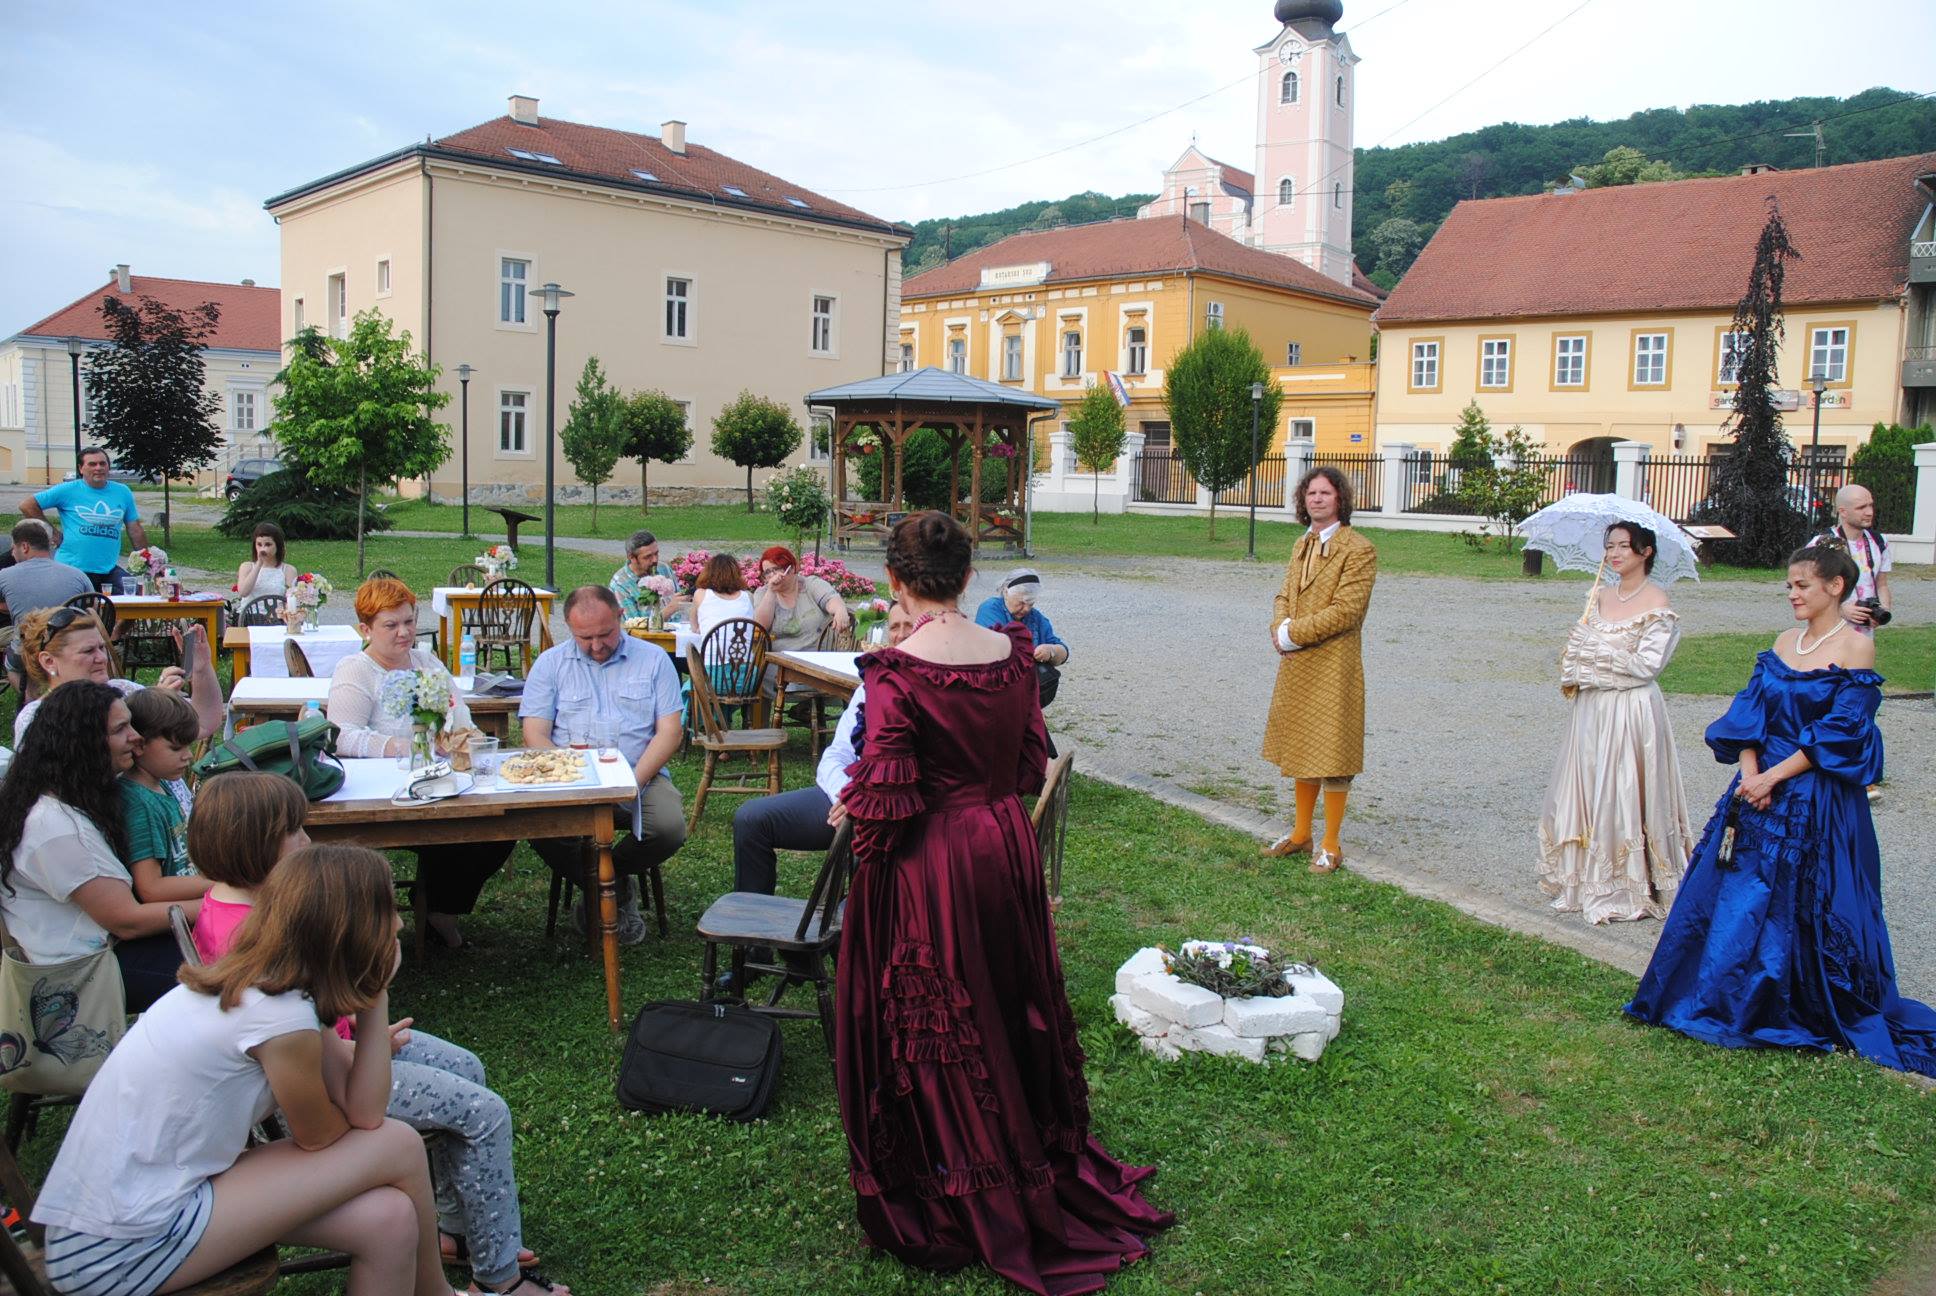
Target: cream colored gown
{"points": [[1613, 835]]}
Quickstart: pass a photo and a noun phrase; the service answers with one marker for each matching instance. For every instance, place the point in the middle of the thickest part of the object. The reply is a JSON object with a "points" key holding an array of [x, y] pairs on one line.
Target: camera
{"points": [[1878, 614]]}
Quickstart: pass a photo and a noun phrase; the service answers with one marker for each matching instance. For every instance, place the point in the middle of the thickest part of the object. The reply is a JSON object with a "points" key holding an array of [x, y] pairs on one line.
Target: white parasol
{"points": [[1572, 532]]}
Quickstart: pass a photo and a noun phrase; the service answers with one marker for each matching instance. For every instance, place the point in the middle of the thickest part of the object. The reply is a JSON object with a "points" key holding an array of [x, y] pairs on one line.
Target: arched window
{"points": [[1337, 196], [1286, 191], [1340, 92], [1287, 90]]}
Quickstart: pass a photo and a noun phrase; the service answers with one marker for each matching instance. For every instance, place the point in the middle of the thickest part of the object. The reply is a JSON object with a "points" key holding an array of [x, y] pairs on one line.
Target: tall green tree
{"points": [[595, 430], [1471, 436], [1394, 245], [1096, 434], [755, 432], [1207, 390], [151, 405], [1625, 165], [655, 428], [1751, 484], [355, 412]]}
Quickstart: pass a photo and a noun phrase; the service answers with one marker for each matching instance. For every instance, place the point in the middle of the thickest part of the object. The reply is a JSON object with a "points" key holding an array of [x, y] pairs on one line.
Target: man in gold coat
{"points": [[1316, 730]]}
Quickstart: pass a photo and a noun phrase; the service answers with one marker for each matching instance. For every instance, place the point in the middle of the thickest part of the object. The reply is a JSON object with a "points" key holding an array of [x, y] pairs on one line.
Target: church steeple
{"points": [[1305, 102]]}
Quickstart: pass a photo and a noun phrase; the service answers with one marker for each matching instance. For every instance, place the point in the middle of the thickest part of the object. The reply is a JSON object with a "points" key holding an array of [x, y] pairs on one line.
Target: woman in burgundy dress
{"points": [[960, 1077]]}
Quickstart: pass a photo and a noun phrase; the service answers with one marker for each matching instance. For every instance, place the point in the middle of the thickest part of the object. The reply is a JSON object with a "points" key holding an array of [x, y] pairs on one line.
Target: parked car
{"points": [[247, 472]]}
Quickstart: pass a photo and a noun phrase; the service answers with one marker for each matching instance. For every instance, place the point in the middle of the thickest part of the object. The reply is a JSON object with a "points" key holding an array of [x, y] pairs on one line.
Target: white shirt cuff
{"points": [[1284, 636]]}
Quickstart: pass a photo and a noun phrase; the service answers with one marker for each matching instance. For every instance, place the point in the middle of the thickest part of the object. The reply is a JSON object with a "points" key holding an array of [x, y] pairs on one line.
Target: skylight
{"points": [[734, 190], [528, 156], [645, 175], [796, 202]]}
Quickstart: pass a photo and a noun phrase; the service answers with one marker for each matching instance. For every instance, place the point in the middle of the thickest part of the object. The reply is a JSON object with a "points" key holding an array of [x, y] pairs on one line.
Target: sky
{"points": [[152, 134]]}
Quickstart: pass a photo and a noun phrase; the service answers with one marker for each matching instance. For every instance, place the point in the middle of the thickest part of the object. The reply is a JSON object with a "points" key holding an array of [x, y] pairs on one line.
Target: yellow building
{"points": [[1058, 311], [1604, 315]]}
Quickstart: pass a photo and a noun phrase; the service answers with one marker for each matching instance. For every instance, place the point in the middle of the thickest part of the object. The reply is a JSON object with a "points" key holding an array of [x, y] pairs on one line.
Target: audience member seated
{"points": [[62, 644], [1016, 603], [369, 707], [720, 595], [795, 608], [166, 729], [63, 890], [601, 676], [267, 572], [35, 580], [642, 560]]}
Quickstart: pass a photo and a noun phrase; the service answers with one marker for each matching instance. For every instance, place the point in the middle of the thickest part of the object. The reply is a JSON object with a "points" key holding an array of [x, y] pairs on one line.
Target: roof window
{"points": [[734, 190], [528, 155], [645, 175], [796, 202]]}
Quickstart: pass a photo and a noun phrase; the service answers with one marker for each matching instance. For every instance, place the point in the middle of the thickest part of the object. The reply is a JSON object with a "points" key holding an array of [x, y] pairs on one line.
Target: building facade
{"points": [[39, 363], [691, 273], [1605, 315]]}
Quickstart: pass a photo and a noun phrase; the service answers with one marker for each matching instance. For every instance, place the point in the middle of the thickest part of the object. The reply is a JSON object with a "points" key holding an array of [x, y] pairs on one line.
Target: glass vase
{"points": [[422, 753]]}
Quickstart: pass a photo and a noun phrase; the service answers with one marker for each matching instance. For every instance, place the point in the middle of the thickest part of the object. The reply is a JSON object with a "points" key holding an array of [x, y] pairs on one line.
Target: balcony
{"points": [[1922, 261], [1919, 366]]}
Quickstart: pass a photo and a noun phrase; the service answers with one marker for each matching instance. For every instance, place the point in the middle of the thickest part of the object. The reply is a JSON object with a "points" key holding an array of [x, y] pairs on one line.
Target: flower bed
{"points": [[1173, 1016]]}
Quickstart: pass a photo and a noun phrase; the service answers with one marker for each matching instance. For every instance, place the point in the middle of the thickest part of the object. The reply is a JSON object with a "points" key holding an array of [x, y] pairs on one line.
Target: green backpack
{"points": [[304, 750]]}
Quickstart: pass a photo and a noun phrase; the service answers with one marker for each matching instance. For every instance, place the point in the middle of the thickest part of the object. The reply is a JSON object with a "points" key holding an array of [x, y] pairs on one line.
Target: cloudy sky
{"points": [[152, 133]]}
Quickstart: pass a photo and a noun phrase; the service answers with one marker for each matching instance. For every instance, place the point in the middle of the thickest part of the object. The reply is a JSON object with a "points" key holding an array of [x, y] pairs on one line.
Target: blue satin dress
{"points": [[1787, 947]]}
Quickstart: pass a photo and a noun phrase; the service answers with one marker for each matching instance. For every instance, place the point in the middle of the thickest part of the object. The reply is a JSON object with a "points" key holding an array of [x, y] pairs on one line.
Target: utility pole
{"points": [[1821, 146]]}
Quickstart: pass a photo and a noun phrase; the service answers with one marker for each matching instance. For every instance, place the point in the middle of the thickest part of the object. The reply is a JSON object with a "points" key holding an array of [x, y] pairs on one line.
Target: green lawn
{"points": [[1721, 663]]}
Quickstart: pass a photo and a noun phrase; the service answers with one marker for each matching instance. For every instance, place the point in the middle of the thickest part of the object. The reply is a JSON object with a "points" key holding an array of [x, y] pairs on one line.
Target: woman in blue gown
{"points": [[1783, 944]]}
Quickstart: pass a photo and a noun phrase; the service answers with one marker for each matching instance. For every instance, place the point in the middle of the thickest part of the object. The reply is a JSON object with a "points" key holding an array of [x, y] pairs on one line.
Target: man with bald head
{"points": [[1855, 531]]}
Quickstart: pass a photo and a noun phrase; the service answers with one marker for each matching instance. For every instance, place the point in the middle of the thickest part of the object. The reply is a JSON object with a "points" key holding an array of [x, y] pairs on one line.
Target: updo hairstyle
{"points": [[1638, 538], [1831, 562], [930, 554]]}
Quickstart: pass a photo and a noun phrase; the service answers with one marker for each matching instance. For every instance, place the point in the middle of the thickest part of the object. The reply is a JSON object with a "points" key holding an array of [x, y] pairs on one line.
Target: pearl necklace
{"points": [[1628, 598], [1802, 634]]}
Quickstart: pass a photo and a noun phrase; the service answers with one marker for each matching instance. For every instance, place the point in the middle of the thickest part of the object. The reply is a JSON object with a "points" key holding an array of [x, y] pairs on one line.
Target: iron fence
{"points": [[1572, 475], [1365, 472], [1161, 478], [1677, 485], [1269, 477], [1432, 482]]}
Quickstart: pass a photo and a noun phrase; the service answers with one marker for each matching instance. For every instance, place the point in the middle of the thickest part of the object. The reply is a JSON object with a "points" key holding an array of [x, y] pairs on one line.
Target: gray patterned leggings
{"points": [[438, 1087]]}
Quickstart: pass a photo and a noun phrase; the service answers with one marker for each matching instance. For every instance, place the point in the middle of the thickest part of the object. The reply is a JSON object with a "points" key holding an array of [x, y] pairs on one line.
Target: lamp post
{"points": [[464, 372], [552, 295], [74, 349], [1817, 384], [1256, 403]]}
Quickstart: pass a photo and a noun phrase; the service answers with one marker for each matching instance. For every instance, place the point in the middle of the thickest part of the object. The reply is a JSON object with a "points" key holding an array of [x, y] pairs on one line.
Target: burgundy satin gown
{"points": [[960, 1076]]}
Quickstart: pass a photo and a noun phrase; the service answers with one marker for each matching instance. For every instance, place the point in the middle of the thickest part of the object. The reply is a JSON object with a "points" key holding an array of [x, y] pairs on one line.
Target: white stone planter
{"points": [[1173, 1017]]}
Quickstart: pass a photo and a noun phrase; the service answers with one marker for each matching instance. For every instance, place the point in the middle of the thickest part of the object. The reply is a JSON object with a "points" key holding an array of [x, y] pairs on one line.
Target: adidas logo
{"points": [[97, 513]]}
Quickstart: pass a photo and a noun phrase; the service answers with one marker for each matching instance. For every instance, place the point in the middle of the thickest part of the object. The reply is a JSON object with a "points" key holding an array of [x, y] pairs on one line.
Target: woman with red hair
{"points": [[793, 607]]}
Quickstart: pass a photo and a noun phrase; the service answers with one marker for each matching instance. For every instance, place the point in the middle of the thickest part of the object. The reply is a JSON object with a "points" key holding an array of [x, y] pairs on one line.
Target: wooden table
{"points": [[456, 602], [362, 814], [143, 607], [260, 697], [833, 673], [236, 642]]}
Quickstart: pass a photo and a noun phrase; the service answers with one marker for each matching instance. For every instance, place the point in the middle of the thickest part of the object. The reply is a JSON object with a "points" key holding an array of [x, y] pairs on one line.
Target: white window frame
{"points": [[1136, 350], [1213, 315], [1302, 427], [1495, 363], [957, 358], [523, 408], [336, 302], [519, 287], [823, 310], [1011, 357], [1427, 356], [1288, 88], [818, 423], [296, 316], [1648, 359], [679, 307], [907, 357], [1727, 366], [1069, 353], [1293, 354], [1569, 364], [1829, 358], [239, 399], [1286, 191], [692, 447], [384, 276]]}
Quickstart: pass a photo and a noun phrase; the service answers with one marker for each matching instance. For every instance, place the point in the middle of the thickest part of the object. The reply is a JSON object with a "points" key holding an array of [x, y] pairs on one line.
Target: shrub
{"points": [[798, 500], [925, 478], [302, 508]]}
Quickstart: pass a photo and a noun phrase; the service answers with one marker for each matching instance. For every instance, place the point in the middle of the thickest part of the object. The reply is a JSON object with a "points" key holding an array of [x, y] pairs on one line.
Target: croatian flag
{"points": [[1116, 387]]}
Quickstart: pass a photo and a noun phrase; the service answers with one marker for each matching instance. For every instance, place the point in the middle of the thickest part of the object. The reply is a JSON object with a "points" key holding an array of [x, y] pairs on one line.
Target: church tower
{"points": [[1305, 99]]}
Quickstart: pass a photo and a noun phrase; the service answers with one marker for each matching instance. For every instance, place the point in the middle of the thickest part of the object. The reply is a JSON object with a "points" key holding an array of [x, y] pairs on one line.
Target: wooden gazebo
{"points": [[877, 415]]}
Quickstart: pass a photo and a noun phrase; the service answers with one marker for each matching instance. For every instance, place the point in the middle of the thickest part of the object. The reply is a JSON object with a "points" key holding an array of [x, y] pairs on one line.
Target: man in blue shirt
{"points": [[603, 676], [93, 512]]}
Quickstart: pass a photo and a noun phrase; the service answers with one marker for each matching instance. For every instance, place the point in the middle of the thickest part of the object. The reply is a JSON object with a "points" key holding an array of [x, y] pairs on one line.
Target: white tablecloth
{"points": [[324, 646], [268, 688], [440, 598], [378, 779], [843, 663]]}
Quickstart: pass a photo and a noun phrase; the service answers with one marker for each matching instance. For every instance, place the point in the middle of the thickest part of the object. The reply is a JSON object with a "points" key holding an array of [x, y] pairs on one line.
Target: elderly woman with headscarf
{"points": [[1016, 604]]}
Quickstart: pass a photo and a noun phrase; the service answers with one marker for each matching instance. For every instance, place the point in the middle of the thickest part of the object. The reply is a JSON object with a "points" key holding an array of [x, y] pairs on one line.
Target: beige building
{"points": [[691, 273], [39, 363], [1605, 315]]}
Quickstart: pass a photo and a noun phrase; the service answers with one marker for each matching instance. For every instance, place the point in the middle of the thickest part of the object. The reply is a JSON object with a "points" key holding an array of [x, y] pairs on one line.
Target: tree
{"points": [[595, 430], [355, 412], [755, 432], [1096, 434], [151, 405], [1208, 392], [1398, 197], [1886, 464], [798, 500], [655, 428], [1751, 484], [1471, 436], [1504, 495], [1395, 244], [1625, 165]]}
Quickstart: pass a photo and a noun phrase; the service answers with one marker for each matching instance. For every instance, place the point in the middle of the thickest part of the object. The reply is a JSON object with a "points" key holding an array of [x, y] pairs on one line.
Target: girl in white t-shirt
{"points": [[155, 1188]]}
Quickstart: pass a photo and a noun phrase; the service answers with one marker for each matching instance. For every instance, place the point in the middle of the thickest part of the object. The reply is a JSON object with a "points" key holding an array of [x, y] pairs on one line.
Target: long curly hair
{"points": [[65, 754]]}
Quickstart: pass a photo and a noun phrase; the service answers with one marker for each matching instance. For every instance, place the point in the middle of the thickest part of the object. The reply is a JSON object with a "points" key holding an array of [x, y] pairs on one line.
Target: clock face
{"points": [[1289, 52]]}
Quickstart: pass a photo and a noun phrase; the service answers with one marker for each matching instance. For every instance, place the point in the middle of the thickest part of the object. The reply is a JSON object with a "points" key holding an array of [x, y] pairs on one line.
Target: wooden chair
{"points": [[1050, 819], [148, 645], [808, 929], [506, 611], [719, 742], [383, 573], [262, 610], [735, 656], [468, 576], [296, 659], [99, 604]]}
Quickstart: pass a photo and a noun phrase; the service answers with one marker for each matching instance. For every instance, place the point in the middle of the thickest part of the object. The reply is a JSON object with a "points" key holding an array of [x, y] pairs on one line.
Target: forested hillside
{"points": [[1403, 193]]}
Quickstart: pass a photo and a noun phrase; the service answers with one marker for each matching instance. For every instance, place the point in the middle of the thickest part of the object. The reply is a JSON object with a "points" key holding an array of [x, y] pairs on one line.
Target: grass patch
{"points": [[1721, 662]]}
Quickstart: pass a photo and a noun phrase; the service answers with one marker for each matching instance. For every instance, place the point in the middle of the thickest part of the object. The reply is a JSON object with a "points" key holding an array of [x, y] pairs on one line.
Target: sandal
{"points": [[530, 1283], [1324, 861], [1285, 846], [452, 1248]]}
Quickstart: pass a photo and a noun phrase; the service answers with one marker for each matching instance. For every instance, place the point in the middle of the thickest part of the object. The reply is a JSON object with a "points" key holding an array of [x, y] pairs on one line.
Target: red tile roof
{"points": [[1678, 245], [251, 316], [1113, 249], [1235, 177]]}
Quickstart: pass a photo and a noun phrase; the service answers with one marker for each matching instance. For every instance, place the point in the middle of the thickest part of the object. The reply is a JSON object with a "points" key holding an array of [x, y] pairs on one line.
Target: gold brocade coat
{"points": [[1316, 727]]}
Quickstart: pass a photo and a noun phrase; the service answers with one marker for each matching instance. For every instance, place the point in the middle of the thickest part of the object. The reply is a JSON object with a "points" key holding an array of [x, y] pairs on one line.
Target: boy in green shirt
{"points": [[157, 828]]}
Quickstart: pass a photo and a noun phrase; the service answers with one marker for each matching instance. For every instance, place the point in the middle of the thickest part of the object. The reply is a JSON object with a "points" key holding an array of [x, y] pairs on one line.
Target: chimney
{"points": [[122, 282], [248, 283], [672, 134], [524, 110]]}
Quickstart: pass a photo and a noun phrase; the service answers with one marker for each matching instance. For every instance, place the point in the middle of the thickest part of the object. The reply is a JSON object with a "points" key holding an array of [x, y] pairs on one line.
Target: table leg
{"points": [[607, 905], [238, 664], [454, 639]]}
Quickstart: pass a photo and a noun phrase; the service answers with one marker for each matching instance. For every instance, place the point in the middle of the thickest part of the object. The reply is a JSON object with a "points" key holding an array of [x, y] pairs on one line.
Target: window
{"points": [[907, 357], [1337, 196], [337, 297], [801, 203], [678, 308], [1727, 358], [1302, 429], [692, 446], [645, 175], [958, 355], [1425, 365], [383, 277], [512, 275], [822, 341], [1828, 353], [1213, 315], [1569, 360], [820, 439], [1200, 212], [1340, 92], [734, 190], [1293, 354], [1495, 363], [531, 155], [1287, 88], [1011, 357], [1650, 359], [511, 410], [1072, 354], [298, 316], [1286, 190], [1138, 359], [243, 406]]}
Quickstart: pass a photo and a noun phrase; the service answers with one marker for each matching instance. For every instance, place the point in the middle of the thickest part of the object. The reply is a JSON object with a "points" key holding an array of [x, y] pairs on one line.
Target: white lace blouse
{"points": [[356, 709]]}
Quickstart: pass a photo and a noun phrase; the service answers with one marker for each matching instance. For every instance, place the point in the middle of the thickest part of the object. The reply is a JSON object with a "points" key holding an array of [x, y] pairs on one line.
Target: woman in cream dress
{"points": [[1613, 835]]}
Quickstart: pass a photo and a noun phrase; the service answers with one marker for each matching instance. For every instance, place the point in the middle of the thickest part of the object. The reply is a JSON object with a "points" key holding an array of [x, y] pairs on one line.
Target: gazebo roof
{"points": [[931, 386]]}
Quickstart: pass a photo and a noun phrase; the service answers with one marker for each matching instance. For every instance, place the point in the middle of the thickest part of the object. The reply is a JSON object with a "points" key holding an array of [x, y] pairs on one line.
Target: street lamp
{"points": [[552, 295], [1256, 403], [74, 349], [464, 372], [1818, 384]]}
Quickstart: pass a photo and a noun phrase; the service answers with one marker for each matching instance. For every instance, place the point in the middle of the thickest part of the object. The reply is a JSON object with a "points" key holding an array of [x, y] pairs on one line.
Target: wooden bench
{"points": [[513, 519]]}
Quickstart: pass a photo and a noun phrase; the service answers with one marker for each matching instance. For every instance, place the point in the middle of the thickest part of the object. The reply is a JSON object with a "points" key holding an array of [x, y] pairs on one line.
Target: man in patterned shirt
{"points": [[642, 560]]}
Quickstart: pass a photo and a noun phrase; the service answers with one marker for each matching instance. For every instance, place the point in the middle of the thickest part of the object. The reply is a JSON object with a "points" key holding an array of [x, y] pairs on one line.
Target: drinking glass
{"points": [[877, 635], [602, 739], [485, 757], [577, 726]]}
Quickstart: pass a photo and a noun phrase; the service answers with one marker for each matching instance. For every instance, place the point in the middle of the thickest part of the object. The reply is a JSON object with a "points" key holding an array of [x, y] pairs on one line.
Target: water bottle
{"points": [[310, 708], [467, 658]]}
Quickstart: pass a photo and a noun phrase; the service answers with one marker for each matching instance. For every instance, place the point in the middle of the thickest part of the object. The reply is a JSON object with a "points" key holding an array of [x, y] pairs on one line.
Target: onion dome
{"points": [[1325, 12]]}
